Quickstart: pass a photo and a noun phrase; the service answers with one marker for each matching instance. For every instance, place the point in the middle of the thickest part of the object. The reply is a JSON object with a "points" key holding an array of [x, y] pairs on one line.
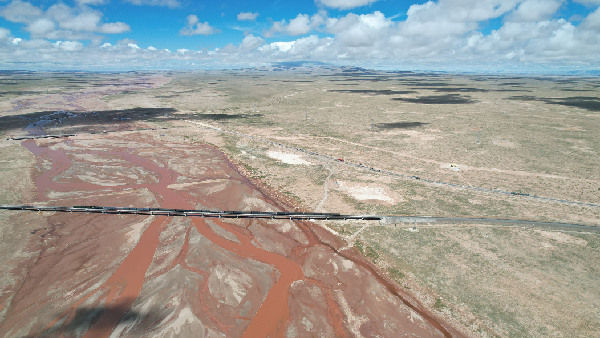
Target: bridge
{"points": [[307, 216]]}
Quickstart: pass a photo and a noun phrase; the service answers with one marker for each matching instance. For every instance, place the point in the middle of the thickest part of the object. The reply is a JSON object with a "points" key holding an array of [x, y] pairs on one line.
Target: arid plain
{"points": [[325, 139]]}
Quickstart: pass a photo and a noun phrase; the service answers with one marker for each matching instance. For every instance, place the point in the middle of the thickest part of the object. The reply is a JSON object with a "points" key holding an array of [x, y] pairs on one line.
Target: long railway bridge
{"points": [[306, 216]]}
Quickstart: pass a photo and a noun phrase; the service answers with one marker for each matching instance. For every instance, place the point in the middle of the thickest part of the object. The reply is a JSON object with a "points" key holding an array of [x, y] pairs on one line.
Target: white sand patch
{"points": [[347, 264], [363, 192], [185, 316], [288, 158], [134, 235], [562, 238], [504, 143], [253, 203], [285, 227], [354, 321], [229, 284], [451, 166], [417, 136]]}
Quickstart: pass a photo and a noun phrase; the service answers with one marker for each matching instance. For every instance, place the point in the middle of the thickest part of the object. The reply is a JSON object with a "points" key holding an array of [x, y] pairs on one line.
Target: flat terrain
{"points": [[330, 140]]}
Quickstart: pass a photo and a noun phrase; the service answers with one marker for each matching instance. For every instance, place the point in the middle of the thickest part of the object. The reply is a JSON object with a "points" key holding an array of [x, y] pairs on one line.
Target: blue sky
{"points": [[460, 35]]}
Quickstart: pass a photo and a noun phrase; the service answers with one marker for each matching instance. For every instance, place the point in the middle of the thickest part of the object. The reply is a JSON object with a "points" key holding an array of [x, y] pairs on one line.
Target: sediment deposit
{"points": [[90, 274]]}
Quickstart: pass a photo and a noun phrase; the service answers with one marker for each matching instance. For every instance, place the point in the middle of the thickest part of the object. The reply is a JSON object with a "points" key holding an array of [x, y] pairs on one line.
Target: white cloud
{"points": [[4, 34], [460, 10], [360, 30], [19, 11], [282, 45], [247, 16], [300, 25], [535, 10], [60, 21], [69, 46], [251, 42], [344, 4], [90, 2], [592, 21], [195, 27], [588, 2], [85, 21], [41, 27], [166, 3], [442, 34], [114, 28]]}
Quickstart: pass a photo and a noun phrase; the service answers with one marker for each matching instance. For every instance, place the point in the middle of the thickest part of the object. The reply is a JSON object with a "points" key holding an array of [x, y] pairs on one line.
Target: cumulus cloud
{"points": [[344, 4], [60, 21], [4, 34], [19, 11], [588, 2], [247, 16], [535, 10], [90, 2], [195, 27], [114, 28], [300, 25], [444, 34], [592, 21], [251, 42], [359, 30], [282, 46], [41, 27], [69, 46], [166, 3]]}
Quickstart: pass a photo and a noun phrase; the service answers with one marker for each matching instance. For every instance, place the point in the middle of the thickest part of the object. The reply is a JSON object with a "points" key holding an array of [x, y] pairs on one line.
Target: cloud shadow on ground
{"points": [[399, 125], [373, 91], [85, 317], [589, 103], [92, 120], [438, 99]]}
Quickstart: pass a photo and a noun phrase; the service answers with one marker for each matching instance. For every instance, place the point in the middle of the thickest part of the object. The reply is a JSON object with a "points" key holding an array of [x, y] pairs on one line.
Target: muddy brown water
{"points": [[58, 284]]}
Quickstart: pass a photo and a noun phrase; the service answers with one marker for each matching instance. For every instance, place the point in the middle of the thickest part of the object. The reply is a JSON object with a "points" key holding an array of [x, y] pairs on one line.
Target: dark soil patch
{"points": [[438, 99], [399, 125]]}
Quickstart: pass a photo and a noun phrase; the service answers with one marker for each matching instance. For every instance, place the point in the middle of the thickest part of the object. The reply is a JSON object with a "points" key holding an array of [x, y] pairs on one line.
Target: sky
{"points": [[496, 36]]}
